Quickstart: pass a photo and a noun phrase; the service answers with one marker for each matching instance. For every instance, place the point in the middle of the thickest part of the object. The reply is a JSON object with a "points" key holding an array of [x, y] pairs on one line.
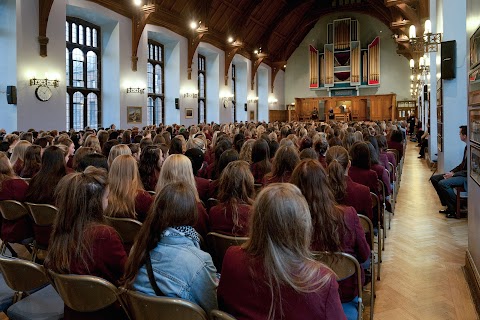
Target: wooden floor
{"points": [[422, 276]]}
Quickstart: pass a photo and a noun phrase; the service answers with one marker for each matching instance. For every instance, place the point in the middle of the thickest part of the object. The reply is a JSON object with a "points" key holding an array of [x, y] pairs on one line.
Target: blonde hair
{"points": [[116, 151], [6, 171], [280, 235], [19, 151], [246, 151], [176, 168], [124, 182]]}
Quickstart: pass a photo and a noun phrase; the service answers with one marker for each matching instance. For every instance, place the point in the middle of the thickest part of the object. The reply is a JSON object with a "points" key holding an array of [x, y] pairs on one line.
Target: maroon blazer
{"points": [[367, 177], [221, 219], [143, 202], [20, 229], [258, 172], [201, 226], [18, 167], [285, 177], [383, 175], [323, 161], [242, 292], [391, 158], [354, 243], [398, 146], [203, 188], [107, 262], [358, 196], [383, 159]]}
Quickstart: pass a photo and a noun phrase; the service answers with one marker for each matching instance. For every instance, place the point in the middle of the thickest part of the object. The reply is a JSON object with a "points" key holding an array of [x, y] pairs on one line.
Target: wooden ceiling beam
{"points": [[139, 22], [276, 67], [44, 8], [392, 3], [256, 63]]}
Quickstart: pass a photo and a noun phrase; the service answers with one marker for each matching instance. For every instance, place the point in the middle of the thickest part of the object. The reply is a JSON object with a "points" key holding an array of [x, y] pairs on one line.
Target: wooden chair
{"points": [[220, 315], [141, 306], [128, 229], [218, 245], [33, 298], [376, 206], [391, 170], [13, 210], [344, 266], [43, 216], [383, 211], [83, 293], [368, 229]]}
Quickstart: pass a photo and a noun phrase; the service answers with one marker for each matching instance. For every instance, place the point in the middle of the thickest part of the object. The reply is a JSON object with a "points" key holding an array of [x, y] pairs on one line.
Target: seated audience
{"points": [[196, 156], [178, 168], [273, 275], [286, 159], [335, 227], [117, 150], [18, 156], [81, 242], [361, 171], [96, 160], [33, 161], [127, 197], [345, 190], [170, 247], [232, 214], [260, 158], [151, 160]]}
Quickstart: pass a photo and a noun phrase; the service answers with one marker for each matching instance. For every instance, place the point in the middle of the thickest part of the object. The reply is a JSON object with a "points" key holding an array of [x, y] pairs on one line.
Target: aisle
{"points": [[422, 276]]}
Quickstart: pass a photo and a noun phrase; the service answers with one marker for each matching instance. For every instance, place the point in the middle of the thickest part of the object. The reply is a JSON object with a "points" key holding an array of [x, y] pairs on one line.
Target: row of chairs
{"points": [[37, 293]]}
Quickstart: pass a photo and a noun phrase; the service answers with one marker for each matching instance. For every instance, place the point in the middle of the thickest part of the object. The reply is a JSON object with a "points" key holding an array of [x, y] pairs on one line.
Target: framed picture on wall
{"points": [[475, 163], [134, 114], [188, 113], [475, 49], [474, 120]]}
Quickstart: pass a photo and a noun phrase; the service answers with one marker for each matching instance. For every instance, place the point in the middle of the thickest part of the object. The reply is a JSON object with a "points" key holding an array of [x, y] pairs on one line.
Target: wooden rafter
{"points": [[138, 25], [229, 55], [193, 42], [276, 66], [44, 8], [259, 59]]}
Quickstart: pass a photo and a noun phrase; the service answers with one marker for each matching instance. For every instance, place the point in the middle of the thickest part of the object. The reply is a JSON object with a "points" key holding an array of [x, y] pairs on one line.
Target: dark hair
{"points": [[197, 157], [327, 218], [145, 142], [373, 153], [273, 146], [463, 130], [175, 205], [32, 161], [149, 158], [396, 136], [96, 160], [108, 146], [42, 142], [360, 155], [286, 159], [337, 160], [42, 185], [227, 156], [176, 146], [308, 153]]}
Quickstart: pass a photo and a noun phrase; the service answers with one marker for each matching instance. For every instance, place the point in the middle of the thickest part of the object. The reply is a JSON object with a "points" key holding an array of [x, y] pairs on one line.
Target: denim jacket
{"points": [[181, 270]]}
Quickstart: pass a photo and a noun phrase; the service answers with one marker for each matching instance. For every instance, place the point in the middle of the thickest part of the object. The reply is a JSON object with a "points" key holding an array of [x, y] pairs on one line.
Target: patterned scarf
{"points": [[186, 231]]}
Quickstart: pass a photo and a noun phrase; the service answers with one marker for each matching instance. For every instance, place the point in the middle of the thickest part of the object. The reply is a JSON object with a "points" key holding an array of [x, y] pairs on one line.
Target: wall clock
{"points": [[43, 93]]}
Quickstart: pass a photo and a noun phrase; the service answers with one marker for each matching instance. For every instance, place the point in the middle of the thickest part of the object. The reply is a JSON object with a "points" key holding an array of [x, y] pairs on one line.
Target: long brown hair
{"points": [[79, 200], [6, 170], [286, 159], [236, 187], [175, 205], [328, 224], [280, 235], [337, 164], [32, 161], [124, 184]]}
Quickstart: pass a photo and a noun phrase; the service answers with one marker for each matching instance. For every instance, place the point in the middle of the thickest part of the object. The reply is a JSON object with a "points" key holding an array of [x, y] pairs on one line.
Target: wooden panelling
{"points": [[380, 106], [277, 115]]}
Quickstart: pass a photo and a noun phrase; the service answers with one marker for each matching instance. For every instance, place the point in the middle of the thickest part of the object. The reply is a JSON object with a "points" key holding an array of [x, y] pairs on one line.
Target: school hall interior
{"points": [[71, 64]]}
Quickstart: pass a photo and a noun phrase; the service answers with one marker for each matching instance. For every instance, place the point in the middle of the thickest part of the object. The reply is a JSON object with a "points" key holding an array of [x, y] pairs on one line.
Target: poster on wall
{"points": [[134, 114]]}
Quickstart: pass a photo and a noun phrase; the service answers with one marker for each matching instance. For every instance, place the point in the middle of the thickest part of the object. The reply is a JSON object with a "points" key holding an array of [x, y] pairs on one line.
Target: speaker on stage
{"points": [[448, 63]]}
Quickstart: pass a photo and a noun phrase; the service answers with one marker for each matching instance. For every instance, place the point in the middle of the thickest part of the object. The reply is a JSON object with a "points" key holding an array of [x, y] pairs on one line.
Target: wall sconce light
{"points": [[429, 42], [252, 99], [226, 98], [136, 90], [190, 94], [45, 82], [272, 100]]}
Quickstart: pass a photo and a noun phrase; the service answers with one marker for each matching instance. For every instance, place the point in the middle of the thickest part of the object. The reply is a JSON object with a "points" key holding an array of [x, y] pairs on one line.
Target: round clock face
{"points": [[43, 93]]}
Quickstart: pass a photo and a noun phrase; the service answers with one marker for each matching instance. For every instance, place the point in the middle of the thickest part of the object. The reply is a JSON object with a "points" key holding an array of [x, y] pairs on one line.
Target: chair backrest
{"points": [[141, 306], [83, 293], [42, 214], [382, 189], [212, 202], [152, 193], [12, 209], [220, 315], [128, 229], [343, 264], [27, 180], [367, 226], [397, 155], [218, 245], [22, 275], [376, 205]]}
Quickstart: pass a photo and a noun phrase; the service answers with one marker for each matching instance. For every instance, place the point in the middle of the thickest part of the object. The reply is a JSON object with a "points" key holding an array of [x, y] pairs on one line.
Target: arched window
{"points": [[155, 81], [202, 90], [83, 77]]}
